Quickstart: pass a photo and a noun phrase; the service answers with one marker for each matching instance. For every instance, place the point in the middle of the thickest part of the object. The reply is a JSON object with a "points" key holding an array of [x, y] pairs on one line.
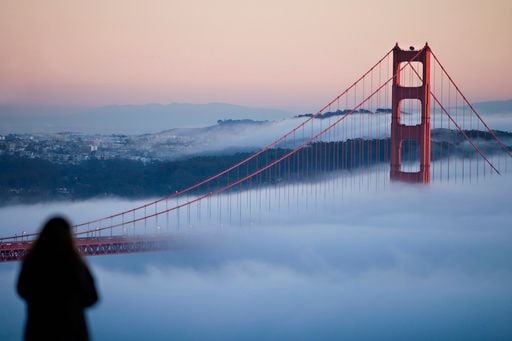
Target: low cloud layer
{"points": [[403, 262]]}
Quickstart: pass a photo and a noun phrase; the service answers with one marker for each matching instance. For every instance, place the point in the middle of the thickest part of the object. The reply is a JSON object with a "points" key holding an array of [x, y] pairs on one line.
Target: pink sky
{"points": [[290, 54]]}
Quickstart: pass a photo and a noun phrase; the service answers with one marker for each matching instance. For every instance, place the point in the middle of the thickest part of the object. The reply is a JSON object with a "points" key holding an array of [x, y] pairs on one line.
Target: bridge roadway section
{"points": [[94, 246]]}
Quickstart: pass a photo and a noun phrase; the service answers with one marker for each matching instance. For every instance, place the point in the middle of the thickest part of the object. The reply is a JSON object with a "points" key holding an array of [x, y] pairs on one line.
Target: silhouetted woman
{"points": [[57, 286]]}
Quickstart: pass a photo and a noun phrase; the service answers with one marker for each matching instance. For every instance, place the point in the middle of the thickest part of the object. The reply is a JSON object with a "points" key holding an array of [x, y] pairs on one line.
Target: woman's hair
{"points": [[55, 240]]}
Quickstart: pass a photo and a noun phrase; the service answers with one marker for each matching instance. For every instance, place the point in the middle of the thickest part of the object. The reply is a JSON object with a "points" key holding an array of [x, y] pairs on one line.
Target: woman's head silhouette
{"points": [[55, 240]]}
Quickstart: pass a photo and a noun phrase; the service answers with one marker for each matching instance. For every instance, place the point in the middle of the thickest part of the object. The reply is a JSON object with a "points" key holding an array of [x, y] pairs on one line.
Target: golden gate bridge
{"points": [[405, 117]]}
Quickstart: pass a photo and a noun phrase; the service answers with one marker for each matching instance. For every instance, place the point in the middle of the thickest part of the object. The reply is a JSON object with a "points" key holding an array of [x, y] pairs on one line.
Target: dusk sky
{"points": [[287, 54], [286, 216]]}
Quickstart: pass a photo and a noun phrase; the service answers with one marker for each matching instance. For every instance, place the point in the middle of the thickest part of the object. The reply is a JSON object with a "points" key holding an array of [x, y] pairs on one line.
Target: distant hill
{"points": [[25, 180], [153, 118], [494, 107], [127, 119]]}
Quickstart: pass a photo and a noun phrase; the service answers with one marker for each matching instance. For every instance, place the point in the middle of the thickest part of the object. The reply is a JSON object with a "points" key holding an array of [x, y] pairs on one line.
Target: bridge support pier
{"points": [[420, 132]]}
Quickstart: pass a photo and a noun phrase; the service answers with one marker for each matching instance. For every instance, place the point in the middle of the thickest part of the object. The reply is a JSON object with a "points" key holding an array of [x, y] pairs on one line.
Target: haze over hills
{"points": [[153, 118], [42, 166], [494, 107], [127, 119]]}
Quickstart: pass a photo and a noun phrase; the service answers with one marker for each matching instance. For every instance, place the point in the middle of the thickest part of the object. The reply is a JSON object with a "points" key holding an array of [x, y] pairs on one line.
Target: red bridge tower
{"points": [[419, 133]]}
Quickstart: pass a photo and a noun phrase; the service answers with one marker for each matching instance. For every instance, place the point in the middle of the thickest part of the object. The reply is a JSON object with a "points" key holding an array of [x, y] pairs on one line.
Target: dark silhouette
{"points": [[57, 286]]}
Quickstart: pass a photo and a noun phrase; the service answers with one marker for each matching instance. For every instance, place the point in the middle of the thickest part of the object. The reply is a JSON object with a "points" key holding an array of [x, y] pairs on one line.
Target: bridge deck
{"points": [[93, 246]]}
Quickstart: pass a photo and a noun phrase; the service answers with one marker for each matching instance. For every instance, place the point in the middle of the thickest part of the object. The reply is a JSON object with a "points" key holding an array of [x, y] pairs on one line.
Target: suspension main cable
{"points": [[502, 145], [269, 165], [238, 164], [190, 188], [458, 127]]}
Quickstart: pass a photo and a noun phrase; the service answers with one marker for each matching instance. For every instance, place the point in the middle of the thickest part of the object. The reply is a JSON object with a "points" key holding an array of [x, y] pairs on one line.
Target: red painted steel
{"points": [[94, 246], [421, 132]]}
